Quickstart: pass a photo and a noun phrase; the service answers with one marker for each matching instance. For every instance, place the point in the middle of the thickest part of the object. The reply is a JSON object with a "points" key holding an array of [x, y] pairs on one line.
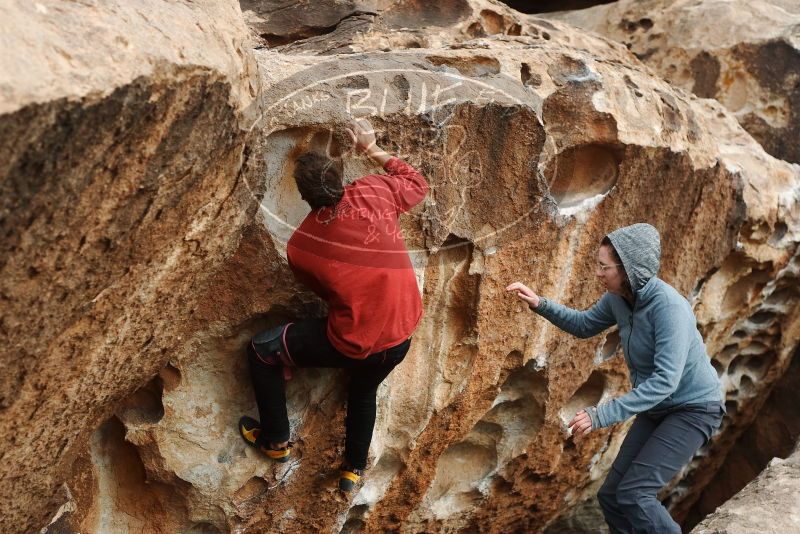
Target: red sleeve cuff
{"points": [[390, 163]]}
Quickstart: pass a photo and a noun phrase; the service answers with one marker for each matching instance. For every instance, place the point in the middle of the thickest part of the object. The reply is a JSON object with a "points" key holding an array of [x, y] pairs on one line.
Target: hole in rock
{"points": [[754, 347], [548, 6], [589, 394], [355, 519], [500, 484], [127, 500], [736, 363], [384, 471], [502, 433], [582, 174], [453, 241], [702, 281], [567, 70], [718, 367], [743, 290], [762, 318], [472, 66], [768, 340], [282, 206], [516, 423], [475, 30], [517, 413], [778, 234], [514, 359], [609, 345], [170, 377], [528, 77], [355, 82], [525, 382], [400, 83], [465, 463], [783, 296], [760, 365], [728, 352], [419, 14], [493, 23], [746, 386], [203, 528], [757, 232], [645, 24], [756, 366], [145, 405], [353, 525]]}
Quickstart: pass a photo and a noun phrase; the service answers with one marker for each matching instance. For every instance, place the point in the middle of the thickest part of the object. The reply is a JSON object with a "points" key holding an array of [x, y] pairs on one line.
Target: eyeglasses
{"points": [[602, 268]]}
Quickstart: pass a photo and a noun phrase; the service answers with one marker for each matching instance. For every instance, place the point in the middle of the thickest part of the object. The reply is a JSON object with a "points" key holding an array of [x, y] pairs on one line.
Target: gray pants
{"points": [[657, 446]]}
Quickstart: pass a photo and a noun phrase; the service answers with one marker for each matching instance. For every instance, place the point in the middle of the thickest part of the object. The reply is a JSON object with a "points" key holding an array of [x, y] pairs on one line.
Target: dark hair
{"points": [[318, 180], [626, 283]]}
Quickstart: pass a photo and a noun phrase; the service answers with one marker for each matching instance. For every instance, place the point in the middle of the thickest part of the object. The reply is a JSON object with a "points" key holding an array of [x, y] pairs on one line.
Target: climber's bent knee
{"points": [[269, 347]]}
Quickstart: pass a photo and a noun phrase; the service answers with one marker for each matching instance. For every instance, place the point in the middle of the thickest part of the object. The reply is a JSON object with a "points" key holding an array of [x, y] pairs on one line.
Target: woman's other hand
{"points": [[581, 424], [524, 293]]}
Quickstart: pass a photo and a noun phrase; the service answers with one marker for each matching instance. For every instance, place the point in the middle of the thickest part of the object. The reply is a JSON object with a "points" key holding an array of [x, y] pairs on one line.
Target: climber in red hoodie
{"points": [[350, 251]]}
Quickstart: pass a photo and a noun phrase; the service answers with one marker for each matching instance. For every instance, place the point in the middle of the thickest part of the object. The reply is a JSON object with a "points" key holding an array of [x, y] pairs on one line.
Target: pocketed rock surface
{"points": [[744, 54], [144, 243]]}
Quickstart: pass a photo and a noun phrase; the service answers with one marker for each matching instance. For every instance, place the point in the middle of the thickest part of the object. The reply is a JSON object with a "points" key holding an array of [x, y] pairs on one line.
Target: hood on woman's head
{"points": [[639, 248]]}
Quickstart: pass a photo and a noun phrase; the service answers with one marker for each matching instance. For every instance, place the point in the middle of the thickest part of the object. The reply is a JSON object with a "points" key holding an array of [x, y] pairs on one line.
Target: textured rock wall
{"points": [[751, 68], [744, 54], [537, 140], [119, 153], [773, 434]]}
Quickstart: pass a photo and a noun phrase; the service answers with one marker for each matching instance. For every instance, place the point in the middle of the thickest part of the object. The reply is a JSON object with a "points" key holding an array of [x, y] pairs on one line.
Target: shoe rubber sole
{"points": [[249, 429], [348, 480]]}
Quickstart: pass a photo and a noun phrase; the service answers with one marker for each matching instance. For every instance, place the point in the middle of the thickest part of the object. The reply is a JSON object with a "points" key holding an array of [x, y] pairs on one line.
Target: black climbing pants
{"points": [[655, 449], [308, 346]]}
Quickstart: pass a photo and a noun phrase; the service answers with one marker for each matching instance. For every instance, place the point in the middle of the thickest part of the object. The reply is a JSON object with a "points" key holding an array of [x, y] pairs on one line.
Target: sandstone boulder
{"points": [[535, 145], [745, 54], [773, 434], [742, 267], [770, 503], [120, 144]]}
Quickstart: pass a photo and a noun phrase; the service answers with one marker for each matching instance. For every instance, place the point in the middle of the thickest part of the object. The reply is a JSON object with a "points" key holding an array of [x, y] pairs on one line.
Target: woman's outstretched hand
{"points": [[524, 293], [581, 424]]}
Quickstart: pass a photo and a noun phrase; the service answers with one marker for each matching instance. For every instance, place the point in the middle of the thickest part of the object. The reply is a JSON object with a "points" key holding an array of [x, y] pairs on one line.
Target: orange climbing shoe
{"points": [[249, 428], [349, 477]]}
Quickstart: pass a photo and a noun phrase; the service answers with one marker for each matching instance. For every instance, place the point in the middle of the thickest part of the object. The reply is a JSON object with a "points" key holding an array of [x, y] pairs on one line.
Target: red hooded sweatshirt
{"points": [[354, 257]]}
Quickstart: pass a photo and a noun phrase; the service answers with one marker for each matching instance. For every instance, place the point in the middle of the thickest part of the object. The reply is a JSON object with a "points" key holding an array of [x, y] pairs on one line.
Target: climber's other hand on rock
{"points": [[363, 135]]}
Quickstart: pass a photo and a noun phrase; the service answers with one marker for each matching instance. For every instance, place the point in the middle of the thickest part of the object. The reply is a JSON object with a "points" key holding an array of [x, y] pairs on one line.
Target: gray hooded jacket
{"points": [[666, 357]]}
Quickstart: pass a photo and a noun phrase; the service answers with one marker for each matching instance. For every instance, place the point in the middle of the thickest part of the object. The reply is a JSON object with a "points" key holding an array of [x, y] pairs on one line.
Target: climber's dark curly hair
{"points": [[318, 180]]}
